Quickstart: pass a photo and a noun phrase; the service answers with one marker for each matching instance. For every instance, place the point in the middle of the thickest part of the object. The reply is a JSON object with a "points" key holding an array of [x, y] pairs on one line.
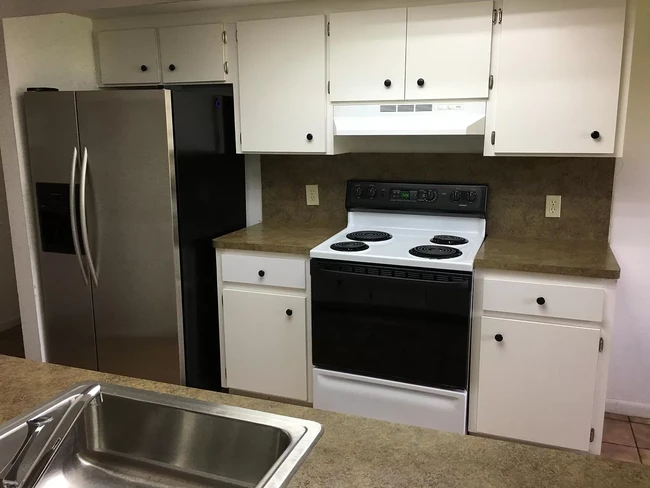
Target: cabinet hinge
{"points": [[225, 67], [236, 36], [500, 16], [328, 29], [224, 37], [491, 82], [495, 16], [241, 141], [592, 435], [493, 137], [225, 373], [601, 344], [328, 87]]}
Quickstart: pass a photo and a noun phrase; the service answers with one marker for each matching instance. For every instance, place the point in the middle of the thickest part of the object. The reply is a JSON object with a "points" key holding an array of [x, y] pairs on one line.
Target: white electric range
{"points": [[391, 303]]}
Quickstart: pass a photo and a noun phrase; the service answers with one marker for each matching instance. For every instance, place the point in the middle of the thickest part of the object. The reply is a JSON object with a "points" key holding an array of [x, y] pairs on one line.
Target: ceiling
{"points": [[173, 6]]}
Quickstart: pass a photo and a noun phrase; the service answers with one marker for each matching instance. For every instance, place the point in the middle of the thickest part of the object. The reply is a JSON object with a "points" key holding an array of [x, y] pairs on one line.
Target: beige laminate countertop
{"points": [[360, 453], [275, 238], [562, 257]]}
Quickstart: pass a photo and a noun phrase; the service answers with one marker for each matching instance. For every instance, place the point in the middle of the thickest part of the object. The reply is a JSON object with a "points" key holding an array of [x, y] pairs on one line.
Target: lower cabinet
{"points": [[266, 343], [540, 357], [537, 381]]}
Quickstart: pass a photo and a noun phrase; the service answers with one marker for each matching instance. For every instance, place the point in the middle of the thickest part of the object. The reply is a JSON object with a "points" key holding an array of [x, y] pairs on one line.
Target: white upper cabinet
{"points": [[192, 54], [448, 51], [559, 76], [128, 57], [367, 55], [283, 85]]}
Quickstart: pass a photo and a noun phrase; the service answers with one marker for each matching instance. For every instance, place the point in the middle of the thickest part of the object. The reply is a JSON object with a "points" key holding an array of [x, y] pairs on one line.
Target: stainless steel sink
{"points": [[132, 438]]}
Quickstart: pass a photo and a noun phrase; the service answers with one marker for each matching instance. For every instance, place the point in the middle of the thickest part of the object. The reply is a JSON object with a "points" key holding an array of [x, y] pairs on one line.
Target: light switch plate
{"points": [[553, 206], [312, 194]]}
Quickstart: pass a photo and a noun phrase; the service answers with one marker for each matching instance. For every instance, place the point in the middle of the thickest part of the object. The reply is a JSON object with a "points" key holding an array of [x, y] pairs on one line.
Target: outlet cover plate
{"points": [[312, 194], [553, 206]]}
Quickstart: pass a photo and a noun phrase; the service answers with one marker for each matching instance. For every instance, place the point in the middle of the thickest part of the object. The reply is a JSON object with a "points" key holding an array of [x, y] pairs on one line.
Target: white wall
{"points": [[629, 378], [50, 50], [9, 314]]}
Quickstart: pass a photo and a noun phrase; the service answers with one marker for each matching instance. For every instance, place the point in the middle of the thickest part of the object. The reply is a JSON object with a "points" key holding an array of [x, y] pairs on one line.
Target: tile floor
{"points": [[11, 342], [626, 438]]}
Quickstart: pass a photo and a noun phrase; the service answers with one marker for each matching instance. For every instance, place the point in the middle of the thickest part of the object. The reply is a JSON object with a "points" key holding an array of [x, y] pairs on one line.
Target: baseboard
{"points": [[628, 408], [8, 324]]}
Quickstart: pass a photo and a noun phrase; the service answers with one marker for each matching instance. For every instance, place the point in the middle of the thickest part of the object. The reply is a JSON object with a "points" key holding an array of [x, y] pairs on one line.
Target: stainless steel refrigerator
{"points": [[130, 188]]}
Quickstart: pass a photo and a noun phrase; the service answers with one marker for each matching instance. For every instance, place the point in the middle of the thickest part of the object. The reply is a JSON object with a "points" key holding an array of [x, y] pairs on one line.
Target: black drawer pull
{"points": [[540, 301], [498, 338], [289, 312], [261, 273]]}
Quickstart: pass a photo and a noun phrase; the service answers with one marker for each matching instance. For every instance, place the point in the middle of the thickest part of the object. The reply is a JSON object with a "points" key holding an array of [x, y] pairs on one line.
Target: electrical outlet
{"points": [[553, 206], [312, 194]]}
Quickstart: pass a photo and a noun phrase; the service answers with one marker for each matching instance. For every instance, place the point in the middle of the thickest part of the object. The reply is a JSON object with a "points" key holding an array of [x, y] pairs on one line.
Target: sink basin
{"points": [[133, 438]]}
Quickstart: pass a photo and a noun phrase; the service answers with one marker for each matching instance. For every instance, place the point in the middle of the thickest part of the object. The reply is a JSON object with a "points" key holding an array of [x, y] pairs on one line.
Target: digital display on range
{"points": [[405, 195]]}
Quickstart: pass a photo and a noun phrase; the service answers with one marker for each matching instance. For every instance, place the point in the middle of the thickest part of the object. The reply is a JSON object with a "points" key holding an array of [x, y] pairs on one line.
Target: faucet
{"points": [[45, 457], [9, 474]]}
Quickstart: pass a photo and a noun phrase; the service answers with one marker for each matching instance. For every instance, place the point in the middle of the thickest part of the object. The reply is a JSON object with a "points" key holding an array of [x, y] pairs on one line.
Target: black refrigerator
{"points": [[211, 196], [130, 188]]}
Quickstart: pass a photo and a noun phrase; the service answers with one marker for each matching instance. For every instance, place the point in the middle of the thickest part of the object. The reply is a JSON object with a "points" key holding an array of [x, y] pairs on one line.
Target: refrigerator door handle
{"points": [[84, 224], [73, 214]]}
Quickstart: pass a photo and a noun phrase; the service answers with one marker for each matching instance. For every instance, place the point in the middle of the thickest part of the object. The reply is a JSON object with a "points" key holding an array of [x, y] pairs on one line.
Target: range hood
{"points": [[410, 119]]}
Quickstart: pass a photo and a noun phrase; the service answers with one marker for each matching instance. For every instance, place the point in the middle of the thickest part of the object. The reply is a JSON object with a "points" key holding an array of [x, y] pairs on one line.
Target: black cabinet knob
{"points": [[143, 68], [421, 82], [310, 136], [541, 301], [261, 273], [595, 135], [387, 83], [289, 312], [498, 338], [172, 67]]}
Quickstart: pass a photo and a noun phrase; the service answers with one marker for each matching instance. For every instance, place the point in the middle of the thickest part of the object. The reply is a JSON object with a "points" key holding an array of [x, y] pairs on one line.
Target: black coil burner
{"points": [[435, 252], [354, 246], [369, 236]]}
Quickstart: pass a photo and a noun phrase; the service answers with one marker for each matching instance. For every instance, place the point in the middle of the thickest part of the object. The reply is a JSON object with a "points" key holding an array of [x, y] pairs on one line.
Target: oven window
{"points": [[396, 323]]}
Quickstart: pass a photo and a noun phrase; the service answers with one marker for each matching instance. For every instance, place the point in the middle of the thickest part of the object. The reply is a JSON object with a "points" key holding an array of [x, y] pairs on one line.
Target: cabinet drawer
{"points": [[262, 270], [544, 300]]}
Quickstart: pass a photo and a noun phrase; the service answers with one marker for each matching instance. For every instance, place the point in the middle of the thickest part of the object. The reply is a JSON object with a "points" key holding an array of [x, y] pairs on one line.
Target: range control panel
{"points": [[417, 197]]}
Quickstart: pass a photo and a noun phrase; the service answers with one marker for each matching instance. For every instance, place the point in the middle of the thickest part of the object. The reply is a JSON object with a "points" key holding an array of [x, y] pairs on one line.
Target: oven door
{"points": [[405, 324]]}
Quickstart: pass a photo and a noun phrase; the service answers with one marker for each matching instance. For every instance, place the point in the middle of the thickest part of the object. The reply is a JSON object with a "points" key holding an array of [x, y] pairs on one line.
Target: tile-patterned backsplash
{"points": [[516, 196]]}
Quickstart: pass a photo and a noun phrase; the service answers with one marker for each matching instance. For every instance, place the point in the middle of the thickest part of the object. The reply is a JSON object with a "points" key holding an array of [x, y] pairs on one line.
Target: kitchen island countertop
{"points": [[361, 453]]}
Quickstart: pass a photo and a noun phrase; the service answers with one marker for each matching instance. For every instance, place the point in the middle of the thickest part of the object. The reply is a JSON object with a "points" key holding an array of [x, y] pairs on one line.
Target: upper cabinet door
{"points": [[448, 51], [283, 85], [559, 76], [128, 57], [367, 55], [192, 53]]}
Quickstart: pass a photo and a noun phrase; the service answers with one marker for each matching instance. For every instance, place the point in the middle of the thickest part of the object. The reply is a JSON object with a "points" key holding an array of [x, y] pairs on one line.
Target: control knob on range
{"points": [[471, 196], [432, 195], [455, 196], [372, 192], [359, 192]]}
